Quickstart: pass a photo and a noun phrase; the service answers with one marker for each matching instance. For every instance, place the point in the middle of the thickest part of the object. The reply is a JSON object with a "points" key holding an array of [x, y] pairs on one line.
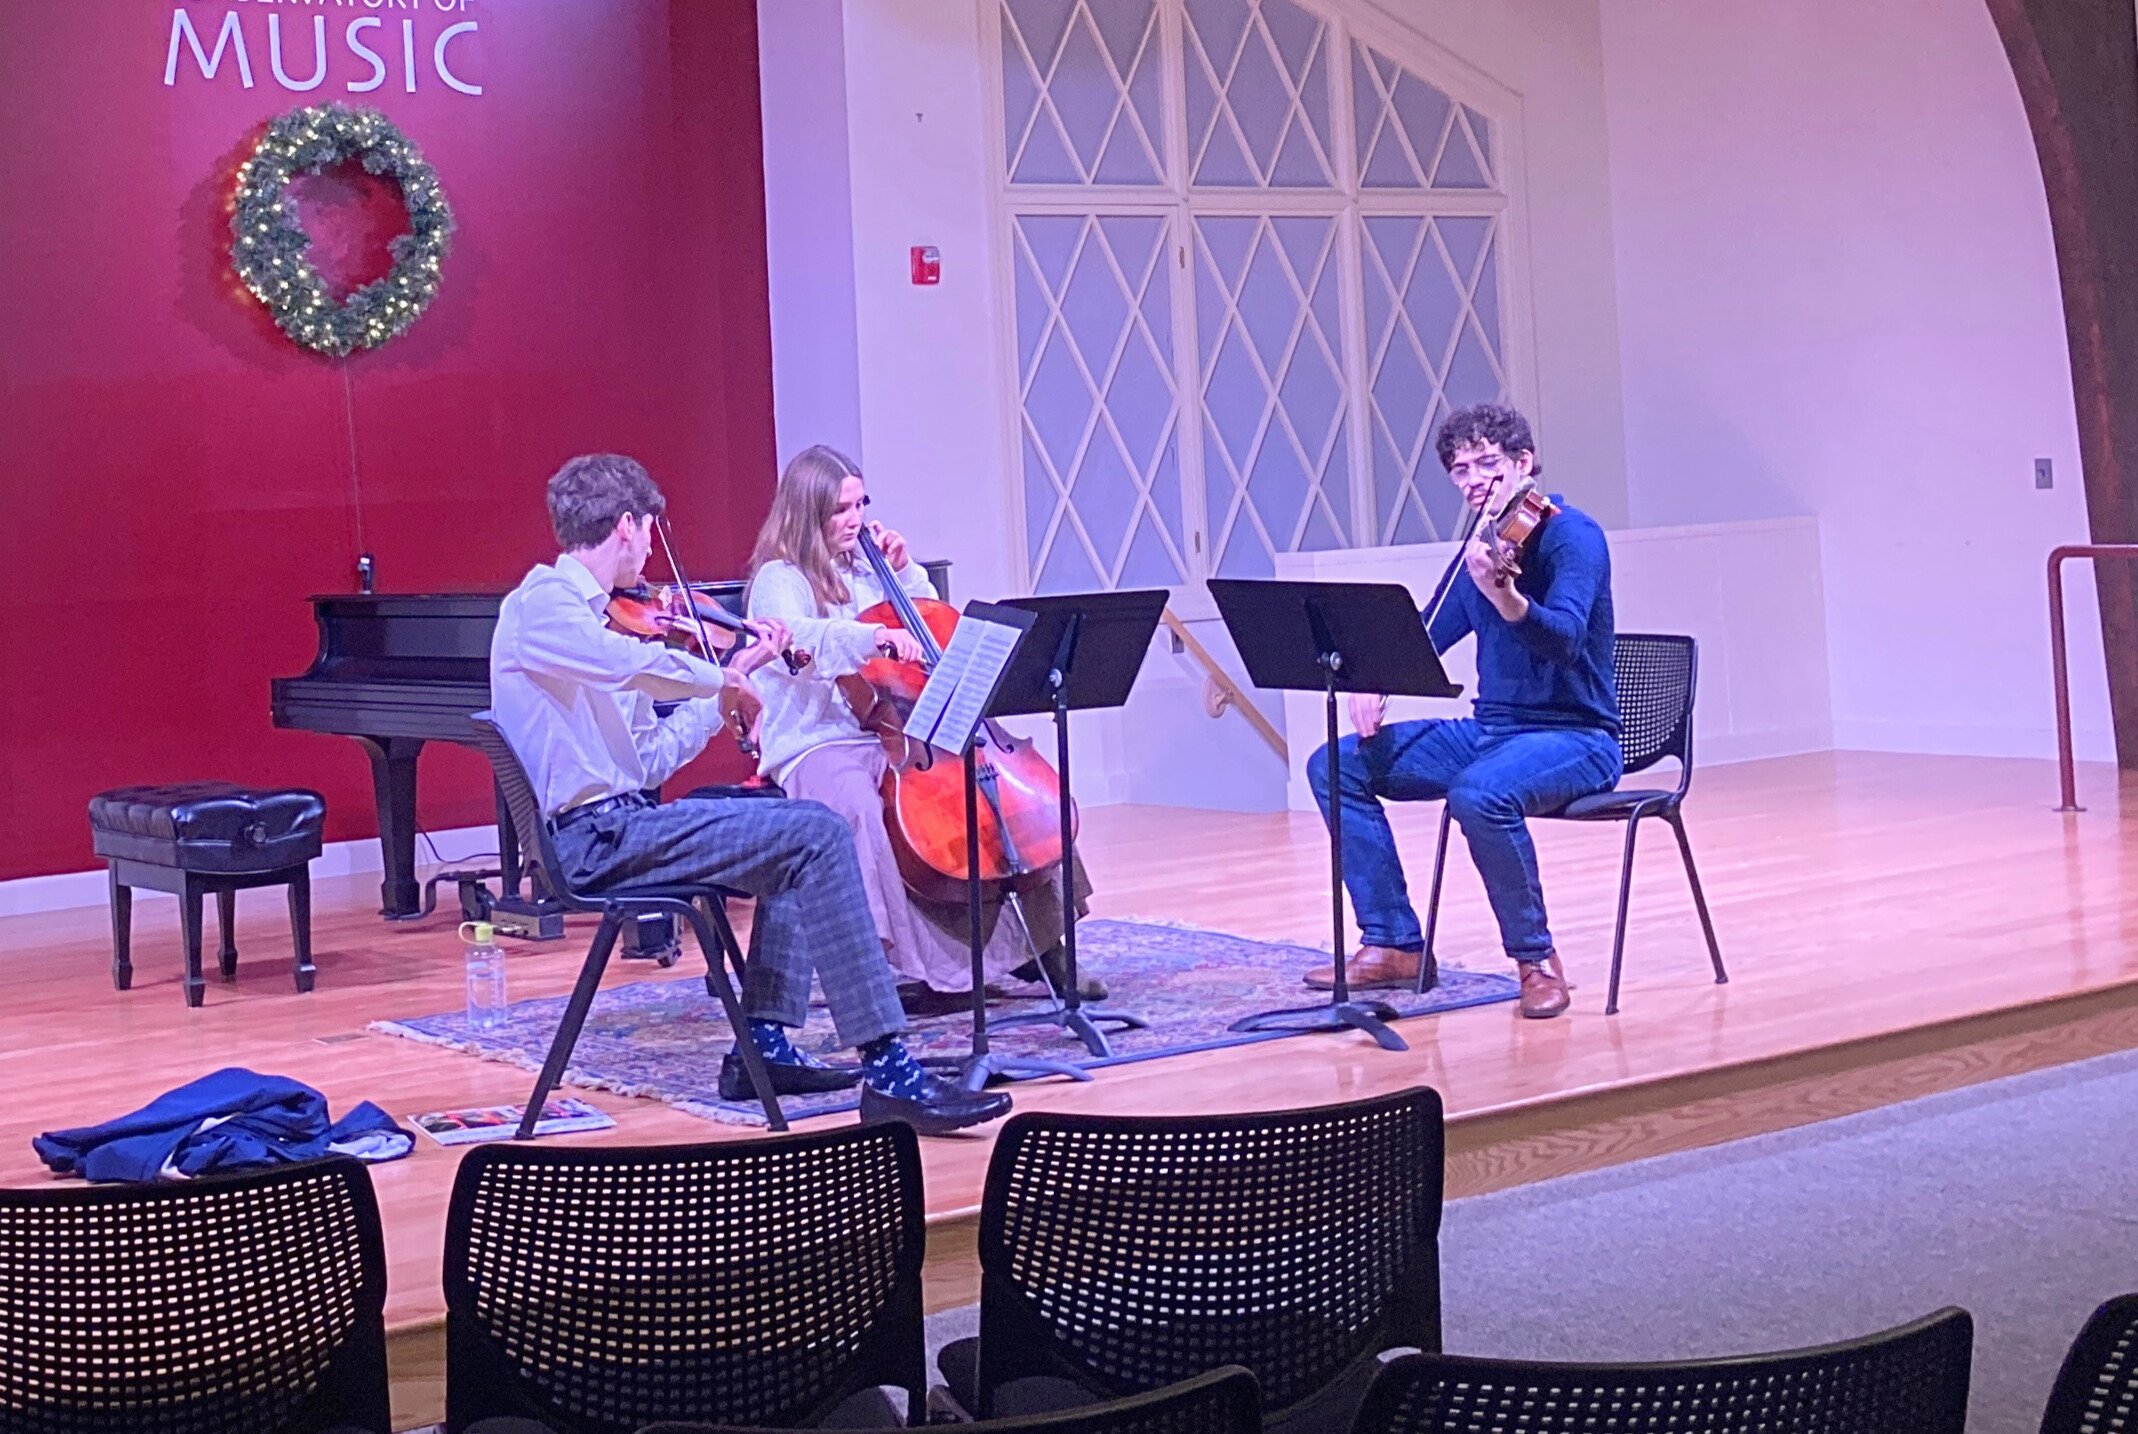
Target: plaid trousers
{"points": [[797, 859]]}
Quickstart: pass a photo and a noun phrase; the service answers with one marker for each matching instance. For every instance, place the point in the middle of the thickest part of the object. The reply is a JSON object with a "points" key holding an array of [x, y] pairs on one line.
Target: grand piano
{"points": [[396, 670]]}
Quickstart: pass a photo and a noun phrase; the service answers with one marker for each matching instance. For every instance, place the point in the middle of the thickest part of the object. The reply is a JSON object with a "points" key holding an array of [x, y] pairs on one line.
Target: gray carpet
{"points": [[2013, 1199]]}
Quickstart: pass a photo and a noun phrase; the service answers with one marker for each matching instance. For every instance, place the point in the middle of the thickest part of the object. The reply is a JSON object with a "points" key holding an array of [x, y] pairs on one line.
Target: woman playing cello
{"points": [[806, 571]]}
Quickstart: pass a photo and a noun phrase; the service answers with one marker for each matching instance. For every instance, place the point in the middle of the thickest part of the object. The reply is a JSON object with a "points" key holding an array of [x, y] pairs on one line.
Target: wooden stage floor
{"points": [[1893, 925]]}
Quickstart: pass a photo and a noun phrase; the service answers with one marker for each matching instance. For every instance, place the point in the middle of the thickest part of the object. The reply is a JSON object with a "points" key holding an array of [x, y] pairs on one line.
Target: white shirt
{"points": [[576, 700], [806, 711]]}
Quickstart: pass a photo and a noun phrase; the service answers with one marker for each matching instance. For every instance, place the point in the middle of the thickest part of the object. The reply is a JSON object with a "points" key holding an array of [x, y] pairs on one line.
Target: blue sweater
{"points": [[1553, 668], [230, 1120]]}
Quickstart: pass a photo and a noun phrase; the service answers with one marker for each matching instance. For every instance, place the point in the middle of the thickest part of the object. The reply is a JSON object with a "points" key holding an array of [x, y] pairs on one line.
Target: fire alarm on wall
{"points": [[927, 264]]}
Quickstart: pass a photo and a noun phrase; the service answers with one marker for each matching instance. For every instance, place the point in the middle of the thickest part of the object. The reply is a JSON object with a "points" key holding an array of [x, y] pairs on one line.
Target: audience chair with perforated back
{"points": [[237, 1304], [2097, 1389], [769, 1282], [1909, 1380], [704, 906], [1121, 1254], [1224, 1401], [1655, 678]]}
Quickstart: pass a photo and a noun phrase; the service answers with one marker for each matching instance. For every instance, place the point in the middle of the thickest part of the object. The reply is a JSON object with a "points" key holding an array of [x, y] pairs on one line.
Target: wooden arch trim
{"points": [[2076, 63]]}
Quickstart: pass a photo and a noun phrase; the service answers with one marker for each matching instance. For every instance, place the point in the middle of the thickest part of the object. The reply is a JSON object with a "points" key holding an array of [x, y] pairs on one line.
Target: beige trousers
{"points": [[923, 940]]}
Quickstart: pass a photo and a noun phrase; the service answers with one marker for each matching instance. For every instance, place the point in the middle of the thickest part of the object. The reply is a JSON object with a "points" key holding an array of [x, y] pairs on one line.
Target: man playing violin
{"points": [[1545, 729], [576, 701]]}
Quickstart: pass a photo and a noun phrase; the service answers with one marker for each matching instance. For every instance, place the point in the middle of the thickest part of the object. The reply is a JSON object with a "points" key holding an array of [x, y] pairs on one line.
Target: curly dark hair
{"points": [[591, 492], [1486, 423]]}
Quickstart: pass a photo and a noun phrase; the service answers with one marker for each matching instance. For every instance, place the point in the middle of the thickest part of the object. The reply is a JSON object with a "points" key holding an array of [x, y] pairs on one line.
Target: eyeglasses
{"points": [[1485, 465]]}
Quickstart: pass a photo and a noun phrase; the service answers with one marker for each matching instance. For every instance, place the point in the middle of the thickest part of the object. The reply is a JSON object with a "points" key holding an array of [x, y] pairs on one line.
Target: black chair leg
{"points": [[300, 902], [560, 1047], [716, 908], [122, 932], [1432, 898], [226, 923], [189, 925], [718, 946], [1625, 896], [1692, 877]]}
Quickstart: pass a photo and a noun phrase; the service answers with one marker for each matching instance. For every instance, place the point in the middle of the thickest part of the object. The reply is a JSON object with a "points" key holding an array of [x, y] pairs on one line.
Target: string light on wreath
{"points": [[269, 243]]}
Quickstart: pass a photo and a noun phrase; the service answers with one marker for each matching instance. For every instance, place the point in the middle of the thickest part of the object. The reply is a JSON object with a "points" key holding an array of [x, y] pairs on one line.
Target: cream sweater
{"points": [[805, 711]]}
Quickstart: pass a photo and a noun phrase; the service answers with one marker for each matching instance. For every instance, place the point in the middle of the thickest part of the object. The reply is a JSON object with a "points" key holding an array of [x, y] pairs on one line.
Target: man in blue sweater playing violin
{"points": [[1545, 729]]}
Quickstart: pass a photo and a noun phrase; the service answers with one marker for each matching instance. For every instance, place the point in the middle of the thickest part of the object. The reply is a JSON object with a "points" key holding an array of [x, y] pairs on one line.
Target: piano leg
{"points": [[393, 784]]}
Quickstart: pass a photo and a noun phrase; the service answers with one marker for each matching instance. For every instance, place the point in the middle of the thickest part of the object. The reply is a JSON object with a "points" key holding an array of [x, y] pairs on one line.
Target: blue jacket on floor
{"points": [[232, 1120]]}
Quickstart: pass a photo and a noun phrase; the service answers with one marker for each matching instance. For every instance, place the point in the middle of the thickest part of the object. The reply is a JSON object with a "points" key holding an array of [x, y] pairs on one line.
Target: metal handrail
{"points": [[2066, 766]]}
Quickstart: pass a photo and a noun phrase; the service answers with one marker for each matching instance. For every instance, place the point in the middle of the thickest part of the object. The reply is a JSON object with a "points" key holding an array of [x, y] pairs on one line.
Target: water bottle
{"points": [[487, 1004]]}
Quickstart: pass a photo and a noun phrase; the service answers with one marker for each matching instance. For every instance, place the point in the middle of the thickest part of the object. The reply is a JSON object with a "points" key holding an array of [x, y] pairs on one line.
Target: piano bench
{"points": [[191, 838]]}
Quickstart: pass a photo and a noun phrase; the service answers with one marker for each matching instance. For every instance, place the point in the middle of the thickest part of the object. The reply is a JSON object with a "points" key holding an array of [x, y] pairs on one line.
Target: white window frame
{"points": [[1174, 201]]}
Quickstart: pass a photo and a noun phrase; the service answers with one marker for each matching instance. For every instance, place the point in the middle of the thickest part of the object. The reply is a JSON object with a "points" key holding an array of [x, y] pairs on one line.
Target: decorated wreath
{"points": [[270, 243]]}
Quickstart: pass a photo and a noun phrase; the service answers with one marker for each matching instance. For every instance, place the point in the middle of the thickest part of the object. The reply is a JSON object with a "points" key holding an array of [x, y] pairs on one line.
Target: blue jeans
{"points": [[1491, 781]]}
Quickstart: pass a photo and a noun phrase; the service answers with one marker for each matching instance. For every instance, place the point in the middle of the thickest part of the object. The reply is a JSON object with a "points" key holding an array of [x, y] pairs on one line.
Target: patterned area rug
{"points": [[664, 1039]]}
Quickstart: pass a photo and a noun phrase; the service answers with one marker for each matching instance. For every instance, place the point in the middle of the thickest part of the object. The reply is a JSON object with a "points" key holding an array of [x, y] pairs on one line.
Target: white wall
{"points": [[935, 416], [1837, 295], [809, 225], [1549, 53], [1770, 275], [1742, 589], [932, 404]]}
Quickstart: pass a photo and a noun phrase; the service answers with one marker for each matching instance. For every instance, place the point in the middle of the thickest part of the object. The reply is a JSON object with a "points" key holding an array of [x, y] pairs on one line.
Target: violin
{"points": [[1519, 518], [1505, 533], [924, 800], [689, 620], [678, 615]]}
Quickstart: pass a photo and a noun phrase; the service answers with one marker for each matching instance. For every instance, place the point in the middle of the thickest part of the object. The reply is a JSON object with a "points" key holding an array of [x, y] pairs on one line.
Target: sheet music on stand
{"points": [[962, 684]]}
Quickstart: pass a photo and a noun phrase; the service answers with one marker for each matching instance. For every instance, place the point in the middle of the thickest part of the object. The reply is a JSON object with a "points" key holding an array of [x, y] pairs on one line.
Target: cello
{"points": [[923, 799]]}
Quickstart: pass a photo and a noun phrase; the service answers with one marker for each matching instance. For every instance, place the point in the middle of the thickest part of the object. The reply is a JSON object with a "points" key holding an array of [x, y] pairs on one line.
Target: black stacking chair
{"points": [[769, 1282], [1909, 1380], [1120, 1254], [236, 1304], [2097, 1389], [703, 906], [1655, 674], [1224, 1401]]}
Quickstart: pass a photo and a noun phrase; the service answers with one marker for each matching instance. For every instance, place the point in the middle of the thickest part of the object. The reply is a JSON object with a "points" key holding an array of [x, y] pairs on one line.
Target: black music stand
{"points": [[1082, 653], [1330, 638], [984, 1064]]}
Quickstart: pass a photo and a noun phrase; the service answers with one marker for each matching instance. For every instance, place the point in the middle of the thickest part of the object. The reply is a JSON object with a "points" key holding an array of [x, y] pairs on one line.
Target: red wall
{"points": [[176, 473]]}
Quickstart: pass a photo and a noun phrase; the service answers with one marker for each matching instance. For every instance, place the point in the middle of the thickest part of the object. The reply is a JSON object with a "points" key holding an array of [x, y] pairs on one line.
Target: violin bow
{"points": [[705, 645], [705, 642], [1462, 545]]}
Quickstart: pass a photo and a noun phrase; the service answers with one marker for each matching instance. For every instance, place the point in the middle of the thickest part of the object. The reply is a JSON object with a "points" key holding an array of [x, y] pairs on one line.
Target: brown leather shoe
{"points": [[1376, 968], [1544, 989]]}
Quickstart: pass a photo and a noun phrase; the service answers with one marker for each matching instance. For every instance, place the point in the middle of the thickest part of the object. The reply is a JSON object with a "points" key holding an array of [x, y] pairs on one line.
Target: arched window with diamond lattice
{"points": [[1256, 255]]}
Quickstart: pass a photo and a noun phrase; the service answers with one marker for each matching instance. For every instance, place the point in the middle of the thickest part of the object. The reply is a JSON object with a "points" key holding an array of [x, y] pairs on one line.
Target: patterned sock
{"points": [[890, 1069], [771, 1040]]}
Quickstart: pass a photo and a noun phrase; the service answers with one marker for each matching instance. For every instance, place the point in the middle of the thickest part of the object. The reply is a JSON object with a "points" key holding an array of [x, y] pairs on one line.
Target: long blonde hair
{"points": [[802, 506]]}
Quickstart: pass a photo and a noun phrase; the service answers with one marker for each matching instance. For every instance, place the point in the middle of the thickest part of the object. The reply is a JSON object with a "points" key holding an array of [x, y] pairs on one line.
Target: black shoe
{"points": [[1088, 986], [941, 1107], [922, 1001], [786, 1079]]}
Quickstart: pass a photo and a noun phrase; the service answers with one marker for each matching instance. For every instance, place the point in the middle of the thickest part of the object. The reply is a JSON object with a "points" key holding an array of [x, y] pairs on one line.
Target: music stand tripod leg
{"points": [[1069, 1011], [984, 1065], [1342, 1013]]}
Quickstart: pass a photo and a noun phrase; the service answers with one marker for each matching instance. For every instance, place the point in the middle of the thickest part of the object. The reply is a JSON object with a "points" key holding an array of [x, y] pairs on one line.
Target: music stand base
{"points": [[1079, 1021], [1372, 1017], [976, 1070]]}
